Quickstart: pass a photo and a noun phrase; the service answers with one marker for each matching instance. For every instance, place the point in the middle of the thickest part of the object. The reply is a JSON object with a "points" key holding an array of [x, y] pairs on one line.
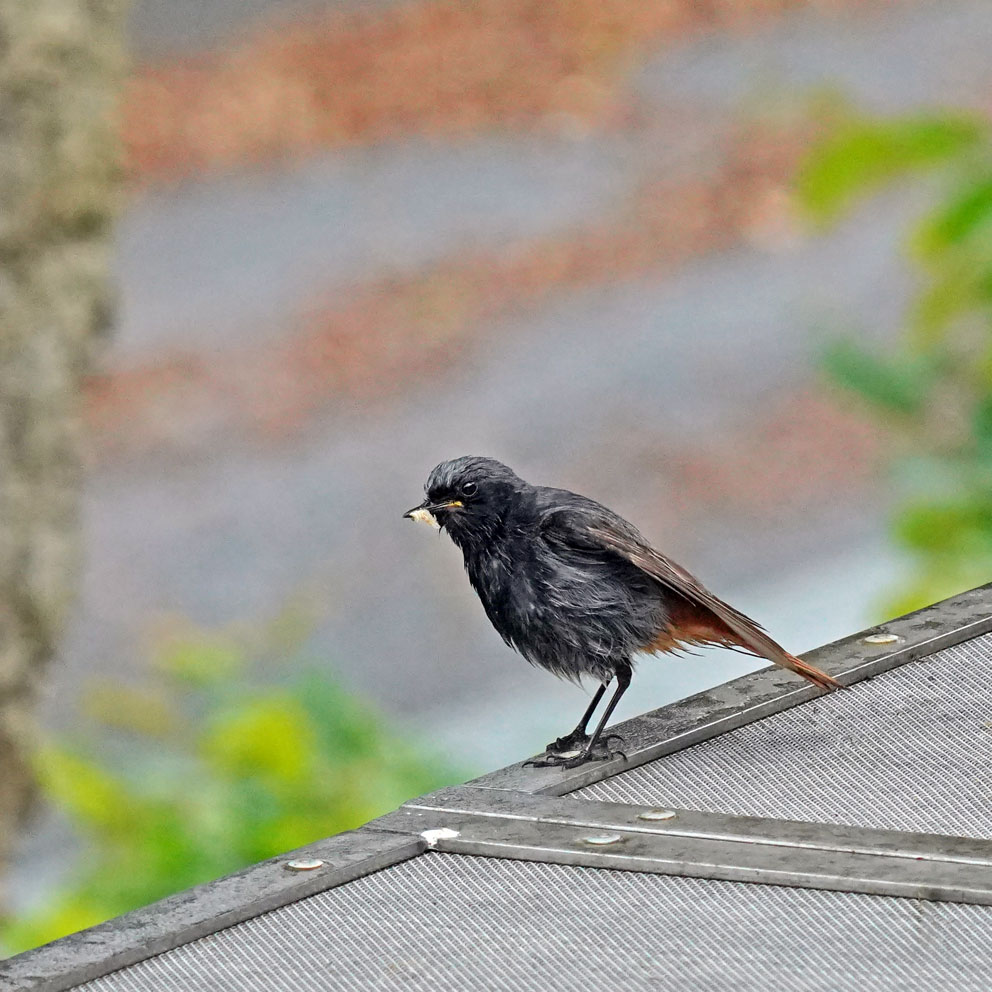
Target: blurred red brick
{"points": [[434, 67]]}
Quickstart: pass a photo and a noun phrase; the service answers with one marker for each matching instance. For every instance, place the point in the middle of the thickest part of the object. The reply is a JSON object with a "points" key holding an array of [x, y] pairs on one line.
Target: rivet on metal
{"points": [[602, 840], [304, 864], [657, 814], [880, 639]]}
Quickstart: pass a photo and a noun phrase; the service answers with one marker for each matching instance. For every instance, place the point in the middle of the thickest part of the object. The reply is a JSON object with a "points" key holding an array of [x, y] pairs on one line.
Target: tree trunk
{"points": [[60, 73]]}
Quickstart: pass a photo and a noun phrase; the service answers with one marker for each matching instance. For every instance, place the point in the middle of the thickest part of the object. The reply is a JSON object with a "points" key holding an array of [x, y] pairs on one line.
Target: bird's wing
{"points": [[591, 527], [585, 525]]}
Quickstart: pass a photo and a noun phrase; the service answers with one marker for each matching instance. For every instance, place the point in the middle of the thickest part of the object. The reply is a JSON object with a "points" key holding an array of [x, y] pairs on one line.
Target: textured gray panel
{"points": [[908, 750], [455, 922]]}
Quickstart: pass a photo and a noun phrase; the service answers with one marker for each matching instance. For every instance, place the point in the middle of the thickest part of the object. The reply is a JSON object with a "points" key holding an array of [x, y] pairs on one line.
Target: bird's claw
{"points": [[570, 759], [571, 742], [576, 741]]}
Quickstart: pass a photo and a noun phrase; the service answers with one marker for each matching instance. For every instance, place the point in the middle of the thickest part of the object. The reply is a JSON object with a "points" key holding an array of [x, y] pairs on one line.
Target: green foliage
{"points": [[936, 385], [213, 772], [862, 155], [894, 386]]}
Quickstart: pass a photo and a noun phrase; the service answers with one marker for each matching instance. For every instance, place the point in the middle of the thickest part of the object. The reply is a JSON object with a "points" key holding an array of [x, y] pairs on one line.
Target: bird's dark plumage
{"points": [[577, 589]]}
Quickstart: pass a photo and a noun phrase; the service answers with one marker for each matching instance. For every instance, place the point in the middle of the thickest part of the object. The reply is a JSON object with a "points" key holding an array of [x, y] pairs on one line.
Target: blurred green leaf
{"points": [[954, 291], [268, 736], [964, 526], [200, 658], [966, 214], [982, 426], [937, 379], [345, 724], [895, 386], [67, 913], [860, 156], [90, 794], [258, 771], [941, 576]]}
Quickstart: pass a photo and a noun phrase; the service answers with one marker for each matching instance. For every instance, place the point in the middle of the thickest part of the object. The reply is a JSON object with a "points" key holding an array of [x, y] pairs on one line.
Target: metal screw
{"points": [[880, 639], [657, 814], [304, 864], [602, 840]]}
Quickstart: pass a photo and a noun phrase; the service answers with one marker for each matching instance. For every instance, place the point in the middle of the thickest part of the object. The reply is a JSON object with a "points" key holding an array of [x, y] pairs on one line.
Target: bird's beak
{"points": [[425, 512]]}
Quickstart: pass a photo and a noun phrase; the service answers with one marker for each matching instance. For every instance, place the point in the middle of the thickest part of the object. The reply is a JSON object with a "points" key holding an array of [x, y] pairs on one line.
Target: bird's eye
{"points": [[469, 488]]}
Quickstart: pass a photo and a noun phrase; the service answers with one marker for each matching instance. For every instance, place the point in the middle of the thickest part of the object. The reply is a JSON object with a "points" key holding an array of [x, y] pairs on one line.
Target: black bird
{"points": [[576, 589]]}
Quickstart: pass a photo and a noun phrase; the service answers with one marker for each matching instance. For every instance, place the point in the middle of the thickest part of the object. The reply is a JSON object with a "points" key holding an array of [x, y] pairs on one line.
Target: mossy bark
{"points": [[61, 64]]}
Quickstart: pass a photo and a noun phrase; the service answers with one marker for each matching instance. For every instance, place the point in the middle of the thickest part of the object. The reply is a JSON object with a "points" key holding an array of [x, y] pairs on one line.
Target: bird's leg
{"points": [[623, 681], [590, 752], [578, 737]]}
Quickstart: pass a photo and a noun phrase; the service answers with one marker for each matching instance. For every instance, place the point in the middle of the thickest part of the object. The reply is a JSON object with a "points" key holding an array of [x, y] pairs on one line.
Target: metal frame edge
{"points": [[696, 844], [203, 909], [186, 916], [762, 693]]}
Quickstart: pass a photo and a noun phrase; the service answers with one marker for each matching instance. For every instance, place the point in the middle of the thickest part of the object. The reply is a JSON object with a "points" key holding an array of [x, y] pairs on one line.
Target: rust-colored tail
{"points": [[718, 623], [695, 615], [814, 675]]}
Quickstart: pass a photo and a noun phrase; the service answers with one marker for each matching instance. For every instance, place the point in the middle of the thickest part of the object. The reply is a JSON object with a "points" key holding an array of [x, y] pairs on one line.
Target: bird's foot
{"points": [[572, 758], [575, 741]]}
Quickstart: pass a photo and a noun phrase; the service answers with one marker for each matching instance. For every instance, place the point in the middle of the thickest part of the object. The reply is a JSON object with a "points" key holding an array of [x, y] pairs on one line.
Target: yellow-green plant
{"points": [[206, 770], [935, 384]]}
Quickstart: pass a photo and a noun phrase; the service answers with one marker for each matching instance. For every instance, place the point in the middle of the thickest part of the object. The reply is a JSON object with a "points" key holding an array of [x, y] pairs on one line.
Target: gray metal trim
{"points": [[207, 908], [700, 845], [692, 823], [203, 910], [759, 694]]}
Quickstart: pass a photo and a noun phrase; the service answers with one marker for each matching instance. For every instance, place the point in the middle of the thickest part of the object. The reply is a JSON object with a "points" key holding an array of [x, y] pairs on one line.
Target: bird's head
{"points": [[469, 497]]}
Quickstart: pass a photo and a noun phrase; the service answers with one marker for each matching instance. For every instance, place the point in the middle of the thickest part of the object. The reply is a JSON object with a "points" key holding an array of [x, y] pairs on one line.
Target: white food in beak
{"points": [[425, 517]]}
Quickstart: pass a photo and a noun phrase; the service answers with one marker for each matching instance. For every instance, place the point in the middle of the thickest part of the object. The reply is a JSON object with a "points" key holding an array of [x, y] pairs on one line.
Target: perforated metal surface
{"points": [[450, 922], [911, 750], [908, 750]]}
